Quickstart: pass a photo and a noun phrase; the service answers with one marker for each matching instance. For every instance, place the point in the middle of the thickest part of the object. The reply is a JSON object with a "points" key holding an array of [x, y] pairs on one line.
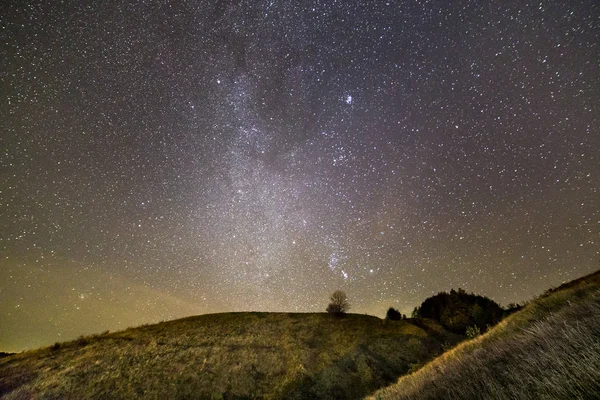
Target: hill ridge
{"points": [[228, 355], [549, 349]]}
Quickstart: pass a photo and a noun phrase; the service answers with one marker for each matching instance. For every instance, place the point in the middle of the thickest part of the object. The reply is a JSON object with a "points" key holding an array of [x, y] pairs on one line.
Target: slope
{"points": [[549, 350], [226, 356]]}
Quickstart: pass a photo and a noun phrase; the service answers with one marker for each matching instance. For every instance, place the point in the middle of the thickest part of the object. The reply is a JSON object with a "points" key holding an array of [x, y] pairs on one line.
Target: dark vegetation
{"points": [[458, 311], [550, 349], [394, 315], [339, 303]]}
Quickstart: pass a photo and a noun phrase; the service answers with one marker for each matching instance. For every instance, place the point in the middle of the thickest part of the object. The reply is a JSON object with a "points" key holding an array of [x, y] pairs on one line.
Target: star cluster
{"points": [[163, 159]]}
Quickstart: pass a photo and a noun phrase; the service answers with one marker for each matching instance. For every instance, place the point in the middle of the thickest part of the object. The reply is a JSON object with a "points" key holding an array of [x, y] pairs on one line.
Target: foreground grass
{"points": [[224, 356], [549, 350]]}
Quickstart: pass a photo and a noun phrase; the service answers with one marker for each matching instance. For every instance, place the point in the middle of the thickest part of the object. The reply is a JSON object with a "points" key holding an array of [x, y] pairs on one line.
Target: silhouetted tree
{"points": [[393, 314], [458, 310], [339, 303], [416, 312]]}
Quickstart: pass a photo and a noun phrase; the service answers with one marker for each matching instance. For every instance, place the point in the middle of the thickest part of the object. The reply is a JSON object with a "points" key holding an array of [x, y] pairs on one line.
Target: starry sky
{"points": [[169, 158]]}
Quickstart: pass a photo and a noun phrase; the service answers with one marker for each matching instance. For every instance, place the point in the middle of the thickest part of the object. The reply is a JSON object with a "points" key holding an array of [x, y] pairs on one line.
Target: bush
{"points": [[473, 331], [393, 314], [458, 310], [82, 341]]}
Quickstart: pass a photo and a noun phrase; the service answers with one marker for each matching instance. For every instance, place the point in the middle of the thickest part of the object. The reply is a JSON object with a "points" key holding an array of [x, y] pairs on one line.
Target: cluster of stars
{"points": [[163, 160]]}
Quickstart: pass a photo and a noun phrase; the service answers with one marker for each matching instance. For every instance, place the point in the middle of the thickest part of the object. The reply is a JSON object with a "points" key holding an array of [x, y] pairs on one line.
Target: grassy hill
{"points": [[228, 356], [548, 350]]}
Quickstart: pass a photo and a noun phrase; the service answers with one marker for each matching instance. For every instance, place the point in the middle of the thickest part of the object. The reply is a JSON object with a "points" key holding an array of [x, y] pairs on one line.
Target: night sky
{"points": [[166, 159]]}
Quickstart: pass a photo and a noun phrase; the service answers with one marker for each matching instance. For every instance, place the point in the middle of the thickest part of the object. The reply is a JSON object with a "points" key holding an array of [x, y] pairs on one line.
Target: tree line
{"points": [[458, 311]]}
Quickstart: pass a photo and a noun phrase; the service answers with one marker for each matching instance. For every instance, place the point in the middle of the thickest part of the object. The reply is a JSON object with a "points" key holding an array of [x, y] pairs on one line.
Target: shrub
{"points": [[472, 331], [393, 314], [82, 341], [458, 310]]}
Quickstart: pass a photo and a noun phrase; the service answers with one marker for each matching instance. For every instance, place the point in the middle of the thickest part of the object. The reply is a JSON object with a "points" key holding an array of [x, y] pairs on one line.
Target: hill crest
{"points": [[230, 355], [549, 349]]}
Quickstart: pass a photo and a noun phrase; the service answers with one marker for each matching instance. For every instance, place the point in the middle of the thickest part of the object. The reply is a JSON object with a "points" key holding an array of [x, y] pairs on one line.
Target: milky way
{"points": [[165, 159]]}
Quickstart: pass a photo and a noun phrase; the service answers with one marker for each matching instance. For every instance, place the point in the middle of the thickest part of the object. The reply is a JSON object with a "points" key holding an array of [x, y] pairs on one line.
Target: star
{"points": [[199, 159]]}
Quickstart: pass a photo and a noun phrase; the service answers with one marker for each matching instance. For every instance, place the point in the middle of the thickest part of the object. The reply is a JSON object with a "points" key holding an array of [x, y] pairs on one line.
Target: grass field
{"points": [[548, 350], [228, 356]]}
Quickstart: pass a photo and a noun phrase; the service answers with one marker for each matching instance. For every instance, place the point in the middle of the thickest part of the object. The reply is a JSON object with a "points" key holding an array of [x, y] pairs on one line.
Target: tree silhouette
{"points": [[339, 303], [458, 310], [393, 314]]}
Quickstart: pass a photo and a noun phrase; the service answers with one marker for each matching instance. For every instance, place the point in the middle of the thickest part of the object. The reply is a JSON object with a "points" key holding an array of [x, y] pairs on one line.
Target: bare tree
{"points": [[339, 303]]}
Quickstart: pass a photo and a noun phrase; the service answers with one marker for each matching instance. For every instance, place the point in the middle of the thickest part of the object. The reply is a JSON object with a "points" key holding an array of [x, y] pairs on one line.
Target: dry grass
{"points": [[549, 350], [222, 356]]}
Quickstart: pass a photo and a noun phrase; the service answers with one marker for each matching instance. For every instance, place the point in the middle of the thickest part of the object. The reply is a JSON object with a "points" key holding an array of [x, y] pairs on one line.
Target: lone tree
{"points": [[339, 303]]}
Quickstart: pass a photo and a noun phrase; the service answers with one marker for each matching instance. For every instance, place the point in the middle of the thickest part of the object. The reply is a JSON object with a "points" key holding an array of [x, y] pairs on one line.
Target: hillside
{"points": [[548, 350], [227, 356]]}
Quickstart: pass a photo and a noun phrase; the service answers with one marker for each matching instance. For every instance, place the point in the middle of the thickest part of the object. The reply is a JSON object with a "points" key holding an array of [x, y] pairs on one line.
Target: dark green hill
{"points": [[228, 356], [548, 350]]}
